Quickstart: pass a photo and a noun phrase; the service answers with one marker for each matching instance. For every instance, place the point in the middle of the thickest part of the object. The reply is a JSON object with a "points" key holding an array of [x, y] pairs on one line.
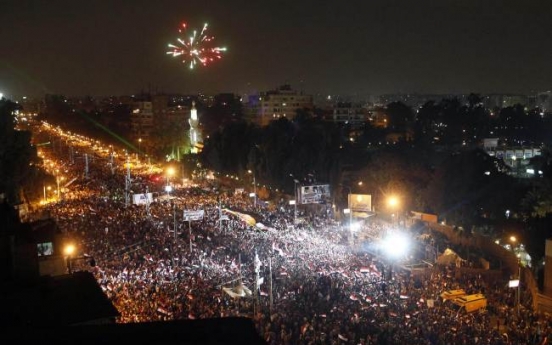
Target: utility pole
{"points": [[190, 227], [519, 286], [127, 184], [295, 182], [71, 159], [147, 203], [174, 218], [255, 190], [111, 163], [86, 165], [270, 282], [220, 213], [257, 268]]}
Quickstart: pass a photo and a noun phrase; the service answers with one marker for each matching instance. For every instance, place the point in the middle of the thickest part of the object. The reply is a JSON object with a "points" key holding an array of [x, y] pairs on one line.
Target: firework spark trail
{"points": [[195, 48]]}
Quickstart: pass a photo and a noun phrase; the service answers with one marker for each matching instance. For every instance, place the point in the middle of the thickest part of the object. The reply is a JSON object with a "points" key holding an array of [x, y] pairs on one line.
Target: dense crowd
{"points": [[316, 285]]}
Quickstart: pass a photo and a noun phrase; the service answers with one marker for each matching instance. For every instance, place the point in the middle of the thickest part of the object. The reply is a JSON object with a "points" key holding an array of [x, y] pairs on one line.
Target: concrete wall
{"points": [[508, 259]]}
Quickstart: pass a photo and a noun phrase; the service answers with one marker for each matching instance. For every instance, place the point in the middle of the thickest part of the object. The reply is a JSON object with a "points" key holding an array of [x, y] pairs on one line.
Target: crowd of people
{"points": [[302, 284]]}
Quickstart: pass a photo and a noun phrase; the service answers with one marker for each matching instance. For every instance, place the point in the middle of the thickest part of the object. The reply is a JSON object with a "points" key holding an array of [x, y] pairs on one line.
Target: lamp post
{"points": [[350, 211], [393, 203], [46, 187], [295, 182], [69, 250], [294, 203], [139, 145], [58, 179], [519, 286], [254, 188], [513, 239], [169, 173]]}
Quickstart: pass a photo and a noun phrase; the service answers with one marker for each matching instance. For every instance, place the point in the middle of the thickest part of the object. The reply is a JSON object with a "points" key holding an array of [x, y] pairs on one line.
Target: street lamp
{"points": [[348, 210], [294, 203], [350, 213], [295, 182], [170, 172], [139, 145], [393, 203], [254, 188], [46, 187], [58, 179], [69, 250], [513, 239]]}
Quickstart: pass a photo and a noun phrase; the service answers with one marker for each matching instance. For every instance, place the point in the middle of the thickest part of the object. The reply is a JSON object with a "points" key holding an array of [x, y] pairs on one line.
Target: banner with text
{"points": [[317, 194], [142, 199], [360, 202], [191, 215]]}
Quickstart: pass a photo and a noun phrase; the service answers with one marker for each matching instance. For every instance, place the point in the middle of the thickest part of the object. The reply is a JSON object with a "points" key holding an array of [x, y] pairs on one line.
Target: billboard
{"points": [[360, 202], [317, 194], [190, 215], [425, 217], [142, 199]]}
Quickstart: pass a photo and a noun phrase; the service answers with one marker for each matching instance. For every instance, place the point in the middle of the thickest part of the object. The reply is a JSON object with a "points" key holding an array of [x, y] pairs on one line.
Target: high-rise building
{"points": [[141, 120], [271, 105]]}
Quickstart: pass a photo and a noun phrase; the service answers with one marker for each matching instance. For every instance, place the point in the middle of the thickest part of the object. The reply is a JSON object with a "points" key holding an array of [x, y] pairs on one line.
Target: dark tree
{"points": [[17, 156]]}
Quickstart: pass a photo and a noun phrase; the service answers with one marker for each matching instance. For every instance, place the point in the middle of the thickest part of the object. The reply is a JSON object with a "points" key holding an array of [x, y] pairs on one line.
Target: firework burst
{"points": [[195, 48]]}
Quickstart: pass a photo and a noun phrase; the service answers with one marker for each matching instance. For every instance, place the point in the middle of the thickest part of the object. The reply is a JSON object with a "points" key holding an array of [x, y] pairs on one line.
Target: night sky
{"points": [[116, 47]]}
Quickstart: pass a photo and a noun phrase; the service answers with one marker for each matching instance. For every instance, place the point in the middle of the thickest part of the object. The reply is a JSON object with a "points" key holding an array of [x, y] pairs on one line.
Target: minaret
{"points": [[195, 133]]}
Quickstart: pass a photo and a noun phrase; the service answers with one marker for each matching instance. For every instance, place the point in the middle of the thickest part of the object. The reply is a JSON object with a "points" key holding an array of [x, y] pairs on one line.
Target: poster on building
{"points": [[142, 199], [360, 205], [317, 194], [191, 215]]}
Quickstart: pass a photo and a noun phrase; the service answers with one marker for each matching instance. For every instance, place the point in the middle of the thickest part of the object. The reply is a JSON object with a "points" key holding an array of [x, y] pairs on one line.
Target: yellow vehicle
{"points": [[452, 294], [471, 303]]}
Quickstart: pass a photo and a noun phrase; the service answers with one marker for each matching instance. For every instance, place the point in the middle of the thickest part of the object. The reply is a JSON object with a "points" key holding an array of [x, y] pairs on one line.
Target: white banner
{"points": [[190, 215], [142, 199]]}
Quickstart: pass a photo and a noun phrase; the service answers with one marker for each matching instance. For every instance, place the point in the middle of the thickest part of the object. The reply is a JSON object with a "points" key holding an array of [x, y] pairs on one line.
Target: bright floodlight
{"points": [[395, 245], [292, 202], [355, 227], [69, 249], [513, 238], [347, 211], [168, 188], [252, 195], [393, 201], [170, 171]]}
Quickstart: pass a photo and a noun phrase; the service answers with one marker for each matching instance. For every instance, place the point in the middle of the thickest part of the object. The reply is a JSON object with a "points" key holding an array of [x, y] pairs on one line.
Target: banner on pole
{"points": [[318, 194], [190, 215], [360, 202], [142, 199]]}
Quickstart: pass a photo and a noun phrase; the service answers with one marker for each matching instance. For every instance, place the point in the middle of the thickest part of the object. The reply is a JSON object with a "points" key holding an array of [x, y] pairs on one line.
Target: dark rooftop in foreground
{"points": [[56, 301], [205, 331]]}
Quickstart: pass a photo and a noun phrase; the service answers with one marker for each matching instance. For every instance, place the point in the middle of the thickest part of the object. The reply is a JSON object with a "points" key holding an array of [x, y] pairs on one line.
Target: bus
{"points": [[471, 303], [452, 294]]}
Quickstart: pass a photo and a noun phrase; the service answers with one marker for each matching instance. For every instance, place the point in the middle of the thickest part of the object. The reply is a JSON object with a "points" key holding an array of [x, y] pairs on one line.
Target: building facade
{"points": [[272, 105], [141, 120]]}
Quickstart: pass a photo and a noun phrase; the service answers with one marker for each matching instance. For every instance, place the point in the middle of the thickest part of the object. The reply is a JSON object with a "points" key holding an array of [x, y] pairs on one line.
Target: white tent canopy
{"points": [[448, 257], [238, 291]]}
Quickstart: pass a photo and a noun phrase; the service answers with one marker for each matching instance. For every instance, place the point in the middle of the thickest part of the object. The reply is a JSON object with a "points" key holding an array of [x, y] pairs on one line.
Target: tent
{"points": [[238, 291], [242, 216], [448, 257]]}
